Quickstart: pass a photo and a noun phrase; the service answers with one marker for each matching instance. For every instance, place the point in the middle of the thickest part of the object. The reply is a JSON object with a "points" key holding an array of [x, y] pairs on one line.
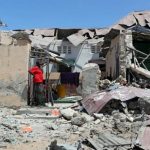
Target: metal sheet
{"points": [[45, 32], [128, 20], [76, 39], [102, 31], [141, 19], [109, 141], [95, 102], [84, 31], [144, 137], [38, 41]]}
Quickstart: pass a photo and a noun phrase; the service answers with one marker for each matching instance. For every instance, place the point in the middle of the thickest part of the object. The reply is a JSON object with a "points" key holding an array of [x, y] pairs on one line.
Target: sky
{"points": [[29, 14]]}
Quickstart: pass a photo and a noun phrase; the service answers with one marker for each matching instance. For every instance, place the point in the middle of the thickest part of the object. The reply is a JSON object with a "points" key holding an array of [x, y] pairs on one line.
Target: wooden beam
{"points": [[137, 51]]}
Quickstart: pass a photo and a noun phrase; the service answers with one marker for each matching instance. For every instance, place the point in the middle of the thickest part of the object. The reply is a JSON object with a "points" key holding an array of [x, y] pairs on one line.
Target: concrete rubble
{"points": [[102, 130]]}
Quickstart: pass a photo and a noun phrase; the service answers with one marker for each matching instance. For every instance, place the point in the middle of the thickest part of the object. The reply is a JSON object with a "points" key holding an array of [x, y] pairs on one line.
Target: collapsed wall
{"points": [[14, 57]]}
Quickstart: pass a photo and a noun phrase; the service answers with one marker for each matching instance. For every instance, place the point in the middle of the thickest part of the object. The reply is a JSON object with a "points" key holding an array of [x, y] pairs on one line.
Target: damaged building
{"points": [[68, 50], [14, 58], [91, 112], [127, 48]]}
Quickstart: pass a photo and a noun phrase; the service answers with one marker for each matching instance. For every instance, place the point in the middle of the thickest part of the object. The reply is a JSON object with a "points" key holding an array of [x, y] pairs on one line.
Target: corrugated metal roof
{"points": [[95, 102], [142, 18], [143, 139], [109, 141]]}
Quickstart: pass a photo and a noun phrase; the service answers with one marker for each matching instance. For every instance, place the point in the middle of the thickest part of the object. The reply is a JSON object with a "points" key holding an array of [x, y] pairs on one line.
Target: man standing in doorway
{"points": [[38, 92]]}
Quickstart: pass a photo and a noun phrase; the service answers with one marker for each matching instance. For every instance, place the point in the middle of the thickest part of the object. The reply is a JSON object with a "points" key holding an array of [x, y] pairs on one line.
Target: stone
{"points": [[81, 129], [87, 117], [67, 113], [98, 116], [97, 121], [117, 115], [144, 104], [78, 121]]}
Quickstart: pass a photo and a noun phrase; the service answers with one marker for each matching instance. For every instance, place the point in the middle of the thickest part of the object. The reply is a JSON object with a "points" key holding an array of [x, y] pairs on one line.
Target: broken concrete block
{"points": [[78, 121], [67, 113], [117, 115], [98, 116], [87, 117], [90, 71], [97, 121]]}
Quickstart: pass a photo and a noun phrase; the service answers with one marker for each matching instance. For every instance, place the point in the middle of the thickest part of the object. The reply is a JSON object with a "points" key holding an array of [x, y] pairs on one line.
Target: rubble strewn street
{"points": [[72, 128]]}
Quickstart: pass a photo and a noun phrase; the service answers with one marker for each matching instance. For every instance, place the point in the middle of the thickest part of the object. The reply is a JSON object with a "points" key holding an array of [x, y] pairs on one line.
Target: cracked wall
{"points": [[14, 57]]}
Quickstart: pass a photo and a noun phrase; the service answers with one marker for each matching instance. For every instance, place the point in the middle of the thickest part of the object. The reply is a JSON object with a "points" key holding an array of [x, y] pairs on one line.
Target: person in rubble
{"points": [[38, 91]]}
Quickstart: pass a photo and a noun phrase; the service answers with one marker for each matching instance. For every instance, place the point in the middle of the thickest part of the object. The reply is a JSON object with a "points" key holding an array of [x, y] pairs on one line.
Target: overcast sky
{"points": [[28, 14]]}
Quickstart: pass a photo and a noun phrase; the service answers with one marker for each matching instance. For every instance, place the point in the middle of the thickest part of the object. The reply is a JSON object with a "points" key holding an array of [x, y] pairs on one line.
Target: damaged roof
{"points": [[45, 37], [141, 18], [96, 101]]}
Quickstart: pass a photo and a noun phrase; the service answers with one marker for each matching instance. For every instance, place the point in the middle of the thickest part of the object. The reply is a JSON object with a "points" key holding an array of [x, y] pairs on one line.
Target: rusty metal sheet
{"points": [[96, 41], [143, 139], [96, 101]]}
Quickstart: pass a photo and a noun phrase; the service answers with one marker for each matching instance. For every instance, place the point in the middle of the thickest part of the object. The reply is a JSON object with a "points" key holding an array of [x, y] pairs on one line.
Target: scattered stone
{"points": [[67, 113], [98, 116], [97, 121], [79, 121], [87, 117]]}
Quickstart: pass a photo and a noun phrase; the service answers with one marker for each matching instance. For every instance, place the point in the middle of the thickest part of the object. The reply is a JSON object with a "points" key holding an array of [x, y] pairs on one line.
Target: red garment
{"points": [[37, 73]]}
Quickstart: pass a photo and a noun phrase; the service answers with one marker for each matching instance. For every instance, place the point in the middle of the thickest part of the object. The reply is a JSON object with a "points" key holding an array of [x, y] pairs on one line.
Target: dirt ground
{"points": [[11, 101]]}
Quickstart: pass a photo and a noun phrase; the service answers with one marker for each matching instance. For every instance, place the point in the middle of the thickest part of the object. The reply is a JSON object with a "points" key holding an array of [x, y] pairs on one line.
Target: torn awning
{"points": [[96, 101]]}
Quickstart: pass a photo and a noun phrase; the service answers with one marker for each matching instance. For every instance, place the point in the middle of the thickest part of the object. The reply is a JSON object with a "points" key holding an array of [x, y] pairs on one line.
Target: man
{"points": [[38, 93]]}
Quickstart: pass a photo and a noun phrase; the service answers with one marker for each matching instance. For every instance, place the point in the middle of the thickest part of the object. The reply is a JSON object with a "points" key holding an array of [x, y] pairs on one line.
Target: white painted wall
{"points": [[81, 54]]}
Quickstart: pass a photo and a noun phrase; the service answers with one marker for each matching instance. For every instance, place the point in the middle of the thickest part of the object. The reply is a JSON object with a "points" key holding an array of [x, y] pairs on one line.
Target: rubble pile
{"points": [[118, 128]]}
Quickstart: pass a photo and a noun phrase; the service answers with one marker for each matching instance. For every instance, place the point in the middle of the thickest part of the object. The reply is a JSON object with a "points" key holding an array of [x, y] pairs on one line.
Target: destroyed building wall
{"points": [[116, 58], [112, 58], [14, 57]]}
